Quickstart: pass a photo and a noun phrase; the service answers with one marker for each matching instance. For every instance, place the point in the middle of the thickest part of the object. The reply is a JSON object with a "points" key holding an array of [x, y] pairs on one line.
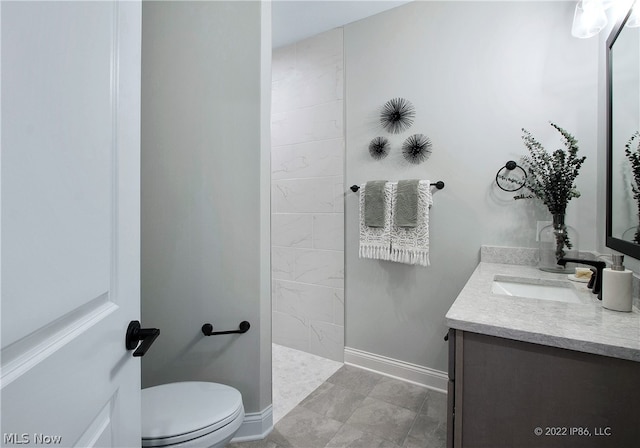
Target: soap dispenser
{"points": [[616, 286]]}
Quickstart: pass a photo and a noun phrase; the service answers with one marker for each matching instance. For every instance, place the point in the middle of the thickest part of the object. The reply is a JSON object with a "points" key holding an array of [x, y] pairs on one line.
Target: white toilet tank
{"points": [[190, 414]]}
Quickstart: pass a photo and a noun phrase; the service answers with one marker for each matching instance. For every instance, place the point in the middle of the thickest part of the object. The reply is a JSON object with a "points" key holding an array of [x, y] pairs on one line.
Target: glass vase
{"points": [[632, 234], [557, 241]]}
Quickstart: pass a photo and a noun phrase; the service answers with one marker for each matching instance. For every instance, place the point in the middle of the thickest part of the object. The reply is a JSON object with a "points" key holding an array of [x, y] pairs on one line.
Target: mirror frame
{"points": [[625, 247]]}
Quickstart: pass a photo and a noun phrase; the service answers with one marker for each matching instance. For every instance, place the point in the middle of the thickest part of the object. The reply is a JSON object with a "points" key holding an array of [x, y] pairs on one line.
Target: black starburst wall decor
{"points": [[397, 115], [379, 148], [417, 148]]}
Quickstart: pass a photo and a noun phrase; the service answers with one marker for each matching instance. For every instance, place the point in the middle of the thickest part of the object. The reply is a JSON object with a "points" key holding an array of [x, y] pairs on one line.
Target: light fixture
{"points": [[589, 18]]}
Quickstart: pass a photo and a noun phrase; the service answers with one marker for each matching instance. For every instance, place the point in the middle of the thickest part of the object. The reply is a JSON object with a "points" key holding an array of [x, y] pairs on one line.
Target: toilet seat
{"points": [[179, 412]]}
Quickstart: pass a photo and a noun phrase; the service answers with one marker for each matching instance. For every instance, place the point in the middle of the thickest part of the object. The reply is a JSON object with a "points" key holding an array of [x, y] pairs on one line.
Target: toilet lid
{"points": [[178, 410]]}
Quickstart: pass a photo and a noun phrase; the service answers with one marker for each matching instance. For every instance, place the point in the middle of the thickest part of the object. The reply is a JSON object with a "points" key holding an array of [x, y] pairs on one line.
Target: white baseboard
{"points": [[412, 373], [256, 426]]}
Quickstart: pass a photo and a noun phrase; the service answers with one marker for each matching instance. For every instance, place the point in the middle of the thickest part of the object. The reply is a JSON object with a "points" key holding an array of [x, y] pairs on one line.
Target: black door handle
{"points": [[136, 334]]}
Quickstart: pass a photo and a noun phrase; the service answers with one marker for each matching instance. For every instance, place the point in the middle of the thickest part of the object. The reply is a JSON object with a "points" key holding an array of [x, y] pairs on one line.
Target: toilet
{"points": [[191, 414]]}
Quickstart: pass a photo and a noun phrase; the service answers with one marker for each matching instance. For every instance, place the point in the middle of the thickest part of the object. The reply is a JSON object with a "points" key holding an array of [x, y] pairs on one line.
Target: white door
{"points": [[70, 93]]}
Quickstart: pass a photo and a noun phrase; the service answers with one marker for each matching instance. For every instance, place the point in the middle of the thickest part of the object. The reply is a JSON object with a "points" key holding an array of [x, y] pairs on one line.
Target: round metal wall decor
{"points": [[417, 148], [379, 148], [397, 115]]}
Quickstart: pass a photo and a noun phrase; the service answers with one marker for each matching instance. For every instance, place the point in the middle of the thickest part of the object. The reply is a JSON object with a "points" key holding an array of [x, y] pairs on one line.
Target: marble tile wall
{"points": [[307, 196], [524, 256]]}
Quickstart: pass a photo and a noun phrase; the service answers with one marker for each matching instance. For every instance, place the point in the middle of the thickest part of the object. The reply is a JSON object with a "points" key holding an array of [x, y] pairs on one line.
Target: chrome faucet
{"points": [[599, 265]]}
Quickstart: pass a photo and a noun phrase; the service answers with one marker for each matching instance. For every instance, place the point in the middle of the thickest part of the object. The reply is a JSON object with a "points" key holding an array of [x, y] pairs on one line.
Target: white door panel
{"points": [[70, 92], [58, 153]]}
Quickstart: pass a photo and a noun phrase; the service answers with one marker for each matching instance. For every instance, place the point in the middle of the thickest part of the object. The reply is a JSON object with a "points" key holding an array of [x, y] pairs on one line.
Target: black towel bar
{"points": [[207, 329], [439, 185]]}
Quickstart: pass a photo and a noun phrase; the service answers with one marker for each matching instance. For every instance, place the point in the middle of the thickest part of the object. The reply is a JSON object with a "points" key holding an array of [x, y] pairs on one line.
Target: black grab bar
{"points": [[207, 329]]}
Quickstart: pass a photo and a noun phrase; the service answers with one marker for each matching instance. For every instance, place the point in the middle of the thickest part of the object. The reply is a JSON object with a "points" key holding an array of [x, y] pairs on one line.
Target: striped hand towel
{"points": [[375, 242], [411, 244]]}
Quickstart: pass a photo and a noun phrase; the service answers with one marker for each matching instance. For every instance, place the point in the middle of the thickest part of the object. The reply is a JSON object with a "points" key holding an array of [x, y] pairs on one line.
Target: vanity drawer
{"points": [[510, 393]]}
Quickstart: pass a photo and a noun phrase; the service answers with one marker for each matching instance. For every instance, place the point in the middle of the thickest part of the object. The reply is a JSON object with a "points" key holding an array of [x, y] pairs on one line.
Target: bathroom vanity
{"points": [[546, 368]]}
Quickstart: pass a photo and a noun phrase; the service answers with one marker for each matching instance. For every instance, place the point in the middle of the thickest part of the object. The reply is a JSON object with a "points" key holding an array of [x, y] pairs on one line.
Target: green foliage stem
{"points": [[550, 176], [634, 159]]}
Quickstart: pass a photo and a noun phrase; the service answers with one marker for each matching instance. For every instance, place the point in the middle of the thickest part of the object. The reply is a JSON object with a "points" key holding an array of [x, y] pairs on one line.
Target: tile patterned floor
{"points": [[295, 375], [361, 409]]}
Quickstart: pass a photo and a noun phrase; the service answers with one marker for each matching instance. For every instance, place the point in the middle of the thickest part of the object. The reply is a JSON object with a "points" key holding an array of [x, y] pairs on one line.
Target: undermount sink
{"points": [[532, 288]]}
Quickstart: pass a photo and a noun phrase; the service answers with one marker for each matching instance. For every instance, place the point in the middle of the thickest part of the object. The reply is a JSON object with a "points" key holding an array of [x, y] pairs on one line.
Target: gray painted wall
{"points": [[477, 72], [205, 198]]}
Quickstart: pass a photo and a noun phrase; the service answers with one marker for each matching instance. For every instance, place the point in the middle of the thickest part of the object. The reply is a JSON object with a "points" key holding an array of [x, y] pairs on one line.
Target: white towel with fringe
{"points": [[410, 245], [375, 242]]}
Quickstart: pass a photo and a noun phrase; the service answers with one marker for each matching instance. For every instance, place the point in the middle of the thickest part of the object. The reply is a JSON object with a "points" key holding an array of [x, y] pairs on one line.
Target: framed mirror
{"points": [[623, 125]]}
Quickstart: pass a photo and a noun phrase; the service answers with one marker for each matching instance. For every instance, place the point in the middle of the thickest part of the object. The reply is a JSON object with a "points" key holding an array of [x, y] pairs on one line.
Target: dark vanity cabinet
{"points": [[505, 394]]}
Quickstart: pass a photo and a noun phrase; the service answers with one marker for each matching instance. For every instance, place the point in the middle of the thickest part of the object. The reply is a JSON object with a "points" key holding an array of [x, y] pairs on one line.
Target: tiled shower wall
{"points": [[307, 166]]}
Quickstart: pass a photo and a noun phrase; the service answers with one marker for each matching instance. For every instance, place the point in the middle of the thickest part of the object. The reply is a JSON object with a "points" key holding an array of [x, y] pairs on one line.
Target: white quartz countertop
{"points": [[585, 327]]}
